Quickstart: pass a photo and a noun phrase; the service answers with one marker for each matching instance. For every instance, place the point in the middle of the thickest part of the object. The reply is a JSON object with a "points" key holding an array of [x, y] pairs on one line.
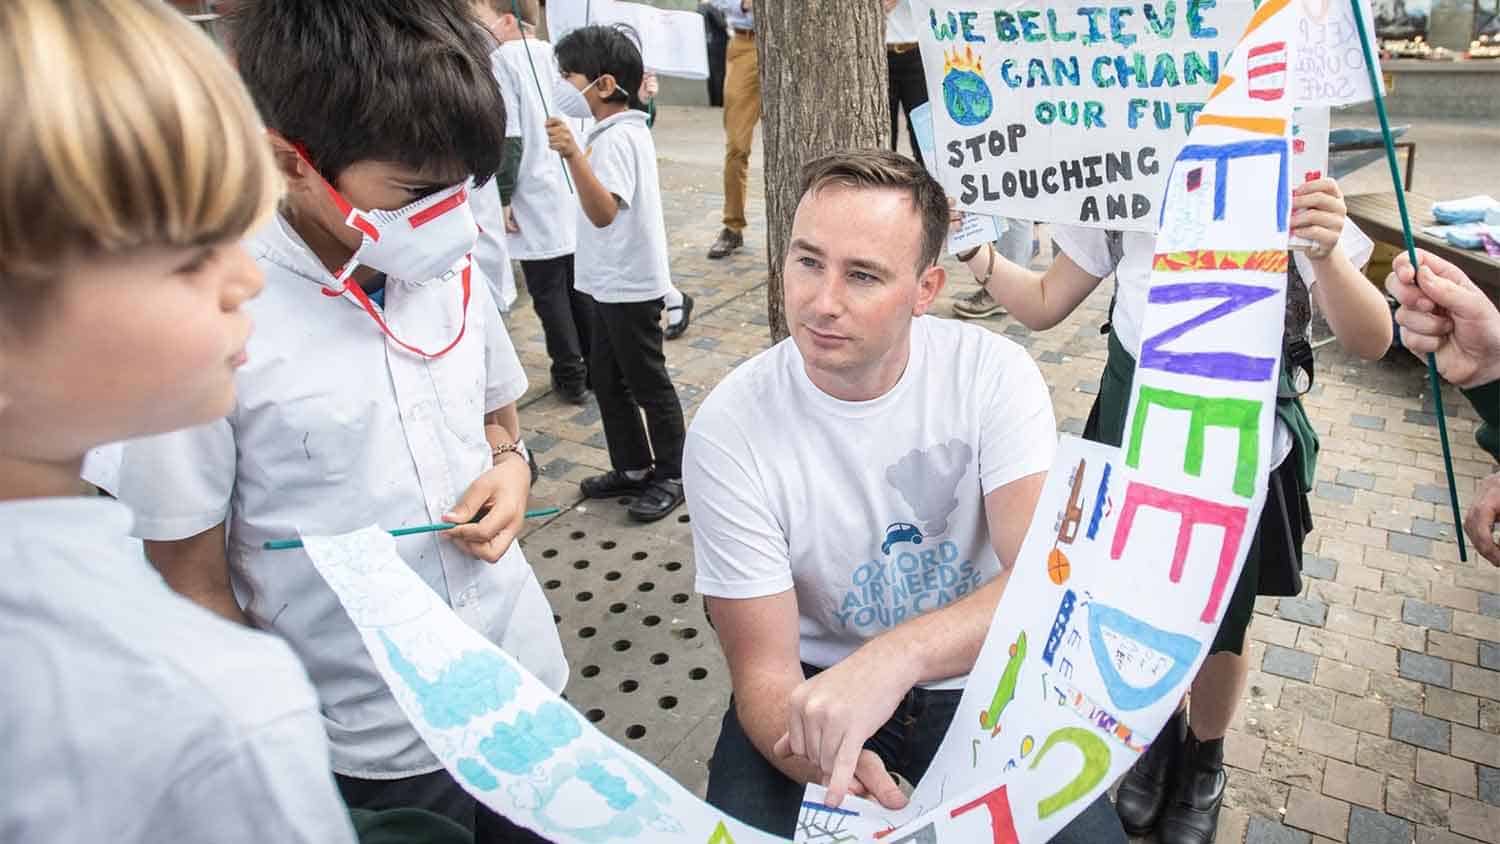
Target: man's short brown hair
{"points": [[883, 169]]}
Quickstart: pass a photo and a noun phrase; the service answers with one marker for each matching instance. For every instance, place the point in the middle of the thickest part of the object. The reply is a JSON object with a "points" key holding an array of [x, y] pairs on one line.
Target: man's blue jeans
{"points": [[743, 784]]}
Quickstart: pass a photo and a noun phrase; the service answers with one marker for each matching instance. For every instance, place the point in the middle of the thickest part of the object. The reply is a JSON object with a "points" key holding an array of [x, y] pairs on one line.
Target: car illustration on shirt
{"points": [[900, 532]]}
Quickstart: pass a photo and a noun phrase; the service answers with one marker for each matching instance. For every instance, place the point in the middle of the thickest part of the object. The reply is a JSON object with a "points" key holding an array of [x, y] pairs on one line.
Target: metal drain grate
{"points": [[646, 667]]}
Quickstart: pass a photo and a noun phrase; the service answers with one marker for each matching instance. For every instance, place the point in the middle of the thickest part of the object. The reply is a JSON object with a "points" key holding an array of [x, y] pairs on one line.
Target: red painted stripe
{"points": [[1268, 95], [1274, 46], [427, 215], [1262, 70]]}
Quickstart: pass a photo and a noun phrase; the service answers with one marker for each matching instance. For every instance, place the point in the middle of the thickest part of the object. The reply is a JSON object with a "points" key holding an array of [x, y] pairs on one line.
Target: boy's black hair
{"points": [[404, 81], [596, 50]]}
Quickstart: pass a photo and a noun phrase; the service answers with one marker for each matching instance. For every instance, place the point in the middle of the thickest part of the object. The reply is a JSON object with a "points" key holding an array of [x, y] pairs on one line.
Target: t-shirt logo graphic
{"points": [[928, 481]]}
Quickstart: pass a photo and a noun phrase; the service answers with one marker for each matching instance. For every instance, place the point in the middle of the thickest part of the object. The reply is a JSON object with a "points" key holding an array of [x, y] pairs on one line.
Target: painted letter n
{"points": [[1242, 415], [1194, 511]]}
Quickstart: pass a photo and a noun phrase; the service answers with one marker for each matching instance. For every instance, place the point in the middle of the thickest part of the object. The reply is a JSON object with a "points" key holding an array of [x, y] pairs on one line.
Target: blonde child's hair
{"points": [[121, 126]]}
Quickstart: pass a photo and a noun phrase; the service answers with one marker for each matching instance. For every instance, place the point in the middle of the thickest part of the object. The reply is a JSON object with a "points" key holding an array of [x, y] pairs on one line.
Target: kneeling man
{"points": [[858, 494]]}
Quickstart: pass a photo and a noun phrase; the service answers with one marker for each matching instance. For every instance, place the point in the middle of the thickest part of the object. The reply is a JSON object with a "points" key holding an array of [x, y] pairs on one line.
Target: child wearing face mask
{"points": [[380, 386], [621, 264]]}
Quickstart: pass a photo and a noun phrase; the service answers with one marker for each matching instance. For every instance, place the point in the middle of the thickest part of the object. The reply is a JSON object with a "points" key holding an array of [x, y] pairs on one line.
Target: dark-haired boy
{"points": [[380, 386], [621, 263]]}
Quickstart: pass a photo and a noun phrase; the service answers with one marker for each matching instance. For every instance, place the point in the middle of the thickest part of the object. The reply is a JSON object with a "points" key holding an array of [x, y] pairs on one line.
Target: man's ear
{"points": [[606, 85], [929, 286]]}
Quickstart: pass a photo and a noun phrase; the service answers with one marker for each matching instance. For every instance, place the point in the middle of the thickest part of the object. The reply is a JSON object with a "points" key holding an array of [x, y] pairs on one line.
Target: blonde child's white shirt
{"points": [[133, 715], [335, 428], [872, 512], [1089, 249], [544, 208], [491, 249], [626, 261]]}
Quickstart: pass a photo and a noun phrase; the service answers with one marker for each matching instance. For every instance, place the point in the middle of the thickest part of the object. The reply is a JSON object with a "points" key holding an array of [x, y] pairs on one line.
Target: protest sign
{"points": [[1067, 111], [1330, 64], [1309, 151], [974, 229], [1099, 631], [672, 41]]}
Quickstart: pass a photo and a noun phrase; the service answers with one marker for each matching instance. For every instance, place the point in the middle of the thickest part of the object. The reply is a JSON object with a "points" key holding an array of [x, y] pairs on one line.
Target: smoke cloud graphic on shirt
{"points": [[928, 480]]}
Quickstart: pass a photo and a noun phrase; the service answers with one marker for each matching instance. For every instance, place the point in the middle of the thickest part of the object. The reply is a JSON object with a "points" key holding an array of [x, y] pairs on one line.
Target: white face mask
{"points": [[417, 242], [570, 101]]}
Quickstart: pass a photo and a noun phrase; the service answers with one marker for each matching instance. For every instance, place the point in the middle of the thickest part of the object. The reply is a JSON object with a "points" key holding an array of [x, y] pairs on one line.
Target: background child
{"points": [[621, 264], [1178, 785], [541, 219], [381, 387], [133, 163]]}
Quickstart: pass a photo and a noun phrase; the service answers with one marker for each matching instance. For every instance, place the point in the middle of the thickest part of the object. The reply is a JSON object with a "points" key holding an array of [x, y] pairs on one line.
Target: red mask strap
{"points": [[364, 302]]}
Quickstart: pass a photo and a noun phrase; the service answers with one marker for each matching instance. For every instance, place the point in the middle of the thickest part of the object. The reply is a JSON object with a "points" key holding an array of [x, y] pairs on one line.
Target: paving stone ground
{"points": [[1373, 714]]}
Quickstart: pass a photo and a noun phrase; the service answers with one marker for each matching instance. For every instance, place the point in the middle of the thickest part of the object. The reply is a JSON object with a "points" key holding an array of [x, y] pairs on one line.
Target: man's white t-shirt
{"points": [[1089, 249], [872, 511], [626, 261], [130, 714], [901, 24], [545, 210]]}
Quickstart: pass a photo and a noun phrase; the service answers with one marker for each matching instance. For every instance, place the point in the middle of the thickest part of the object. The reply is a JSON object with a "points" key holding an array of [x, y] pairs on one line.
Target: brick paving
{"points": [[1373, 712]]}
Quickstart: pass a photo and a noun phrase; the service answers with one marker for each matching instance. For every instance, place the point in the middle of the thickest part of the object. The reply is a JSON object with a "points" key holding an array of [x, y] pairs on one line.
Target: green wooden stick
{"points": [[287, 544], [1411, 253], [515, 8]]}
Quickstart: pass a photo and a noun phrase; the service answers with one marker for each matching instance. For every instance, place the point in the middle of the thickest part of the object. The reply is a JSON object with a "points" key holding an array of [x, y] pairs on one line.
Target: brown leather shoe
{"points": [[729, 240]]}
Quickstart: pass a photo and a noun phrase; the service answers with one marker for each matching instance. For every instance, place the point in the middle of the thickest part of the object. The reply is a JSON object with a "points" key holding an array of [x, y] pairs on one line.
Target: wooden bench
{"points": [[1378, 216]]}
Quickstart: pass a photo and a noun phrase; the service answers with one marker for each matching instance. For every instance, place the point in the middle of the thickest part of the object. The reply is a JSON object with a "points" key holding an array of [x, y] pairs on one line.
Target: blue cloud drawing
{"points": [[475, 683], [614, 790], [517, 748], [477, 774]]}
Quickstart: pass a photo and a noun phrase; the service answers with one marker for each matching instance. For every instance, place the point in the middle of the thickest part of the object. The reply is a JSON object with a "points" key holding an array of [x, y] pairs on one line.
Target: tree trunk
{"points": [[823, 88]]}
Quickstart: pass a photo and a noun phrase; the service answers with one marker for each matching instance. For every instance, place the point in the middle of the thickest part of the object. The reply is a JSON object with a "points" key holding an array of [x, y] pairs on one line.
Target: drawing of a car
{"points": [[900, 532]]}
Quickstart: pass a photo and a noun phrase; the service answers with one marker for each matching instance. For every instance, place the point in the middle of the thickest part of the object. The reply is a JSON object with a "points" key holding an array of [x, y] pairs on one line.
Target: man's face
{"points": [[851, 280]]}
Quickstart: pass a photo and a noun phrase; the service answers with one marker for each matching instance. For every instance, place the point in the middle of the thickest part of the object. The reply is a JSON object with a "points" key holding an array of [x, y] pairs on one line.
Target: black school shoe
{"points": [[680, 327], [1146, 786], [660, 497], [612, 484], [1193, 815]]}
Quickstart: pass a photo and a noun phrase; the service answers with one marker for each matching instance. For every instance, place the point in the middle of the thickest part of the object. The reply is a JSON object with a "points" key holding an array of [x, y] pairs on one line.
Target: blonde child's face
{"points": [[130, 344]]}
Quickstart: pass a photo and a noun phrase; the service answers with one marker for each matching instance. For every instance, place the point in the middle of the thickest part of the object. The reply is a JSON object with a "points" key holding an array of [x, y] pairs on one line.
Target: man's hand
{"points": [[1484, 517], [1318, 214], [1444, 313], [560, 139], [510, 221], [831, 714], [502, 490]]}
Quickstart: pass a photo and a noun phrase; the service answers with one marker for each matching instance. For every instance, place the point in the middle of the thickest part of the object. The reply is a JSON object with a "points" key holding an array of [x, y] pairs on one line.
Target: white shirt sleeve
{"points": [[1019, 433], [179, 484], [1356, 244], [739, 547], [614, 166], [1086, 247], [505, 77], [504, 378]]}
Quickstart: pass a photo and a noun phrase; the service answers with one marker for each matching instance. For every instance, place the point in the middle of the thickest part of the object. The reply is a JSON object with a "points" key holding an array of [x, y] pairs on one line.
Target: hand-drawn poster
{"points": [[1117, 591], [1069, 111], [671, 40], [1330, 63], [974, 229], [1309, 152]]}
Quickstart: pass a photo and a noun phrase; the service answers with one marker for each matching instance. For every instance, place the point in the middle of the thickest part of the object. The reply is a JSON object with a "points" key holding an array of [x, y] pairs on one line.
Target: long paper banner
{"points": [[1072, 111], [1117, 592]]}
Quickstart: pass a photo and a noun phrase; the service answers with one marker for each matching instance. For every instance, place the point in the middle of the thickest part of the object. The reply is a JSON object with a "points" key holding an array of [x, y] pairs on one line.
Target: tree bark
{"points": [[823, 88]]}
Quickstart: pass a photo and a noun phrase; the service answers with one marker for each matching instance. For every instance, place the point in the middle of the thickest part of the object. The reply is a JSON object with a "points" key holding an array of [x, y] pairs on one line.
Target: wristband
{"points": [[966, 257], [517, 448]]}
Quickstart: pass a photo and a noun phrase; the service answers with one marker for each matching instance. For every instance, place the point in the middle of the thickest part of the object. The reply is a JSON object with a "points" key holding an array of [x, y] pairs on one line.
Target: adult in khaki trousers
{"points": [[741, 113]]}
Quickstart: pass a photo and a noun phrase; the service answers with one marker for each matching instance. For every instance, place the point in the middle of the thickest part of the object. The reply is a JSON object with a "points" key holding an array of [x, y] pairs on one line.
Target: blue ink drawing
{"points": [[615, 790], [1099, 500], [1138, 636], [636, 800], [533, 738], [477, 775], [475, 683]]}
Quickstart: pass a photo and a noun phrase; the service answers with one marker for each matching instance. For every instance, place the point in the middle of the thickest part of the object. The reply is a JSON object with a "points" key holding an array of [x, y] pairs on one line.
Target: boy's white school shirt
{"points": [[544, 208], [491, 249], [626, 261], [131, 714], [335, 428]]}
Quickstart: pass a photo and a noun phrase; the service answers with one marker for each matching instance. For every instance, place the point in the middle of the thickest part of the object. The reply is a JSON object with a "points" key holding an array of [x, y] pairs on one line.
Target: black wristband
{"points": [[966, 257]]}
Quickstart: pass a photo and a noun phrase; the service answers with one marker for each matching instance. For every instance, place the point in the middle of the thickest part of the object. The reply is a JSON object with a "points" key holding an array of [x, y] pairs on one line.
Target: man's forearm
{"points": [[944, 643], [761, 708]]}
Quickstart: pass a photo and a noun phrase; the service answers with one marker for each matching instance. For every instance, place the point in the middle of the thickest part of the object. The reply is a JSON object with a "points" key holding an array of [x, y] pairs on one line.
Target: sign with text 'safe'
{"points": [[1071, 111]]}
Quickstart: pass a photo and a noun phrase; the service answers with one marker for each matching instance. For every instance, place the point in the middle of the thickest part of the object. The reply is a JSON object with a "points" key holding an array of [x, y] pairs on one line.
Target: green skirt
{"points": [[1285, 520]]}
